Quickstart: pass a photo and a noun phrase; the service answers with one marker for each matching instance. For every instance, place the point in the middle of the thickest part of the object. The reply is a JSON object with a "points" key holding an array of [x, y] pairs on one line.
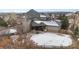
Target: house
{"points": [[51, 26], [43, 17], [48, 17], [33, 15], [37, 25], [52, 16]]}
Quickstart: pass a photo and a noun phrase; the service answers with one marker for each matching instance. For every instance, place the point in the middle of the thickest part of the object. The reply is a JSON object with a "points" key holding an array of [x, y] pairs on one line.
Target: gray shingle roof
{"points": [[33, 14]]}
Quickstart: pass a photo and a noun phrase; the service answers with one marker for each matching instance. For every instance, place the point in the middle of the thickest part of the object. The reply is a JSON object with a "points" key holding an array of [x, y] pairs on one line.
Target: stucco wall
{"points": [[52, 28]]}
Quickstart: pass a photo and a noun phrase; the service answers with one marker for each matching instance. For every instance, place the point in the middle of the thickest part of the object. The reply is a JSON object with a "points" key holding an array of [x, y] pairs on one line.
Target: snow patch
{"points": [[12, 31], [52, 39]]}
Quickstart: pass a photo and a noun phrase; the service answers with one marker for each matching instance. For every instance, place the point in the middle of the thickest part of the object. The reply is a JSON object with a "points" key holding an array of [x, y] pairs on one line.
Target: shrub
{"points": [[76, 32], [3, 23]]}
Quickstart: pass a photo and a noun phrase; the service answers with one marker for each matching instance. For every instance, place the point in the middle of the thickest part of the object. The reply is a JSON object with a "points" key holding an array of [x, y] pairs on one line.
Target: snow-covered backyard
{"points": [[52, 39]]}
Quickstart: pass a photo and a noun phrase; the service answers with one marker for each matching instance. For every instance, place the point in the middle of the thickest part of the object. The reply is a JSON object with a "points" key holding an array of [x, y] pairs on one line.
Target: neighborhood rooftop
{"points": [[48, 23]]}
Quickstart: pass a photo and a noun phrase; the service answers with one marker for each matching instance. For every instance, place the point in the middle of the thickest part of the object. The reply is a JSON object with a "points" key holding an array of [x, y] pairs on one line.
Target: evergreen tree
{"points": [[64, 22]]}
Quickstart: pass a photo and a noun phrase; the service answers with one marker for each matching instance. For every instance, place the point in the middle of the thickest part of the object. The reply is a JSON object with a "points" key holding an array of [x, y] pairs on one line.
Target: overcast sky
{"points": [[39, 10], [39, 5]]}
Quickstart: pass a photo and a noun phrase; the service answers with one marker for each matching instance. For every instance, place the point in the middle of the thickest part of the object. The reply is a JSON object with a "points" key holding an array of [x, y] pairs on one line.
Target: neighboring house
{"points": [[69, 14], [35, 25], [43, 17], [51, 26], [53, 16], [58, 21], [33, 15], [48, 17]]}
